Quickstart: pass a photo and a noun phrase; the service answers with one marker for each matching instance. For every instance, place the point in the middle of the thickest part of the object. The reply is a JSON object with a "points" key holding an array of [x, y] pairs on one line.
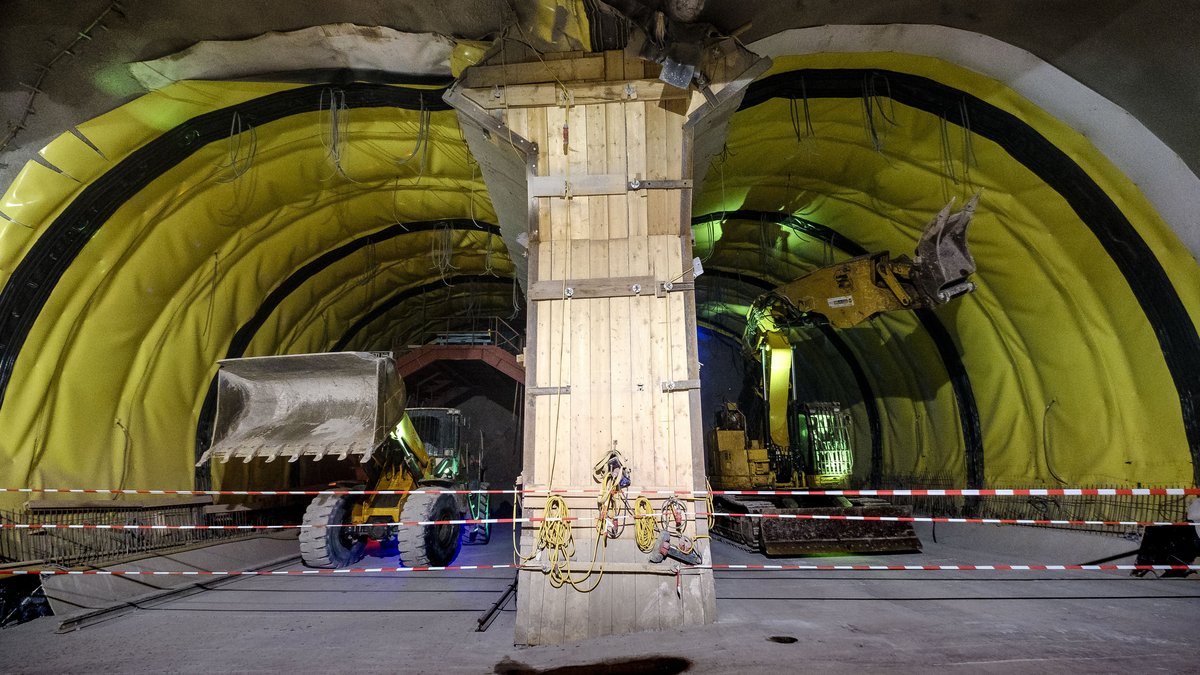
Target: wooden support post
{"points": [[612, 358]]}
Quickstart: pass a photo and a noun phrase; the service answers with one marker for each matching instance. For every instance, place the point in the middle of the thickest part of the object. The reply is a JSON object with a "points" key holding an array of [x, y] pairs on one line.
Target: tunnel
{"points": [[260, 184]]}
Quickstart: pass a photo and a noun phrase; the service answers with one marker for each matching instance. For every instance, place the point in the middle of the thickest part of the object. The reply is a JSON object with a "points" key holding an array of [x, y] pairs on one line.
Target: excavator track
{"points": [[813, 536]]}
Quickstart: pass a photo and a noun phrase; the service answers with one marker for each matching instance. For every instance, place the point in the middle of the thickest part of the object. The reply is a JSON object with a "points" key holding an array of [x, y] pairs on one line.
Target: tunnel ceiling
{"points": [[212, 220]]}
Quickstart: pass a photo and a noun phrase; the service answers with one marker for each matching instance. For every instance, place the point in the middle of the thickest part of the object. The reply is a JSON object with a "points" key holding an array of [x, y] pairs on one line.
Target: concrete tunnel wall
{"points": [[293, 245]]}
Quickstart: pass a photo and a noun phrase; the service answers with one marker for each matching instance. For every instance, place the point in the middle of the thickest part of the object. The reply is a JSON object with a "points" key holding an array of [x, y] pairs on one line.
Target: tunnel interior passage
{"points": [[212, 220]]}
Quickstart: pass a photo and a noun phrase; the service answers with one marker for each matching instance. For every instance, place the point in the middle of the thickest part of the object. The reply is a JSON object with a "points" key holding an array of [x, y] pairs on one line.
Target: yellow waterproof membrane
{"points": [[1070, 380], [330, 212], [225, 219]]}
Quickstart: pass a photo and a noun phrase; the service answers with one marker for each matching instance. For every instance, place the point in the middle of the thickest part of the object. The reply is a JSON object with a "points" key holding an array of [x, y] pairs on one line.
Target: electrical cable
{"points": [[644, 524]]}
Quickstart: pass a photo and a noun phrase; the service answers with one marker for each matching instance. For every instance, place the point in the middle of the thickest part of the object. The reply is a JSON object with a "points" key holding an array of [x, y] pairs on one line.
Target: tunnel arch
{"points": [[872, 170]]}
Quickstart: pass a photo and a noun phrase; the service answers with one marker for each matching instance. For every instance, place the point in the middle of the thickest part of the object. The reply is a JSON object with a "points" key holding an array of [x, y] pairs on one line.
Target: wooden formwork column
{"points": [[598, 153]]}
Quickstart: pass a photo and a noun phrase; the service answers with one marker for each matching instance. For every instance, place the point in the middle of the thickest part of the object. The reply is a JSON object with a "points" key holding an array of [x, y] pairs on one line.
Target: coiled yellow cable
{"points": [[643, 513]]}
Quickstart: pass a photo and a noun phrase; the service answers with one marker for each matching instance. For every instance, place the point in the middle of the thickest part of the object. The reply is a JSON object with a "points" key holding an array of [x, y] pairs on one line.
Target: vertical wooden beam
{"points": [[598, 360]]}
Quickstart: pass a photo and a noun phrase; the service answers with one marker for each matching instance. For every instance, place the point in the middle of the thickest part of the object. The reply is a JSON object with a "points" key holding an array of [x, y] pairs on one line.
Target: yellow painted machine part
{"points": [[110, 386], [1067, 374], [777, 366]]}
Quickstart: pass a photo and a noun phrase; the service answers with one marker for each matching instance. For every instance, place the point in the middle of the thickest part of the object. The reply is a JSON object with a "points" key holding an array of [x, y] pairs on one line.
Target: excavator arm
{"points": [[850, 292]]}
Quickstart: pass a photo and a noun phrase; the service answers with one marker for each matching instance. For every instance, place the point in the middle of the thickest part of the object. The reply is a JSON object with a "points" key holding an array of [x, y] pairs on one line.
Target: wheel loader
{"points": [[809, 445], [349, 407]]}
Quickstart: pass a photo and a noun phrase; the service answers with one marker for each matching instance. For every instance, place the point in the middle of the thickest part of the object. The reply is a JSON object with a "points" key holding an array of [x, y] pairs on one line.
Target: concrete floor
{"points": [[864, 622]]}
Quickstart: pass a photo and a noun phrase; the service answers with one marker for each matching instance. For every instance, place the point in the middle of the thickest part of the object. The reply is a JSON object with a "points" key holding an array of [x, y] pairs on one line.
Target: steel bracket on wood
{"points": [[547, 391], [638, 184], [680, 385], [665, 287]]}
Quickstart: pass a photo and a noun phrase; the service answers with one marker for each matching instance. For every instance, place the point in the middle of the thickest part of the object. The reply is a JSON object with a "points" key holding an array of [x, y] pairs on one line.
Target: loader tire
{"points": [[430, 545], [322, 546]]}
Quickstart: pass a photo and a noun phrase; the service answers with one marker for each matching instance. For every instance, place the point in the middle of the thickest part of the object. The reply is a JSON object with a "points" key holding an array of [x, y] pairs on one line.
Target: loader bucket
{"points": [[943, 263], [340, 404]]}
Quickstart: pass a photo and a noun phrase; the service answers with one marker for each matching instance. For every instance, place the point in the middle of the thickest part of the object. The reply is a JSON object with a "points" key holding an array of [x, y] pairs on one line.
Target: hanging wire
{"points": [[421, 143], [969, 158], [335, 128], [516, 304], [212, 298], [795, 115], [372, 268], [870, 96], [947, 158], [441, 250], [240, 134]]}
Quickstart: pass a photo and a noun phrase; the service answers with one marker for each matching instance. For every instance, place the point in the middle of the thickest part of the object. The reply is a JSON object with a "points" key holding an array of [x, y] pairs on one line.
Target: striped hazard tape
{"points": [[965, 492], [488, 521], [716, 567], [312, 526]]}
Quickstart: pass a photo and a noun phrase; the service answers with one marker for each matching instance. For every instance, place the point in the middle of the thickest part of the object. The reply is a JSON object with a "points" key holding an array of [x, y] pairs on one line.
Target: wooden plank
{"points": [[658, 167], [642, 374], [621, 408], [597, 164], [554, 94], [566, 70], [536, 133], [577, 166], [635, 68], [660, 356], [601, 377], [554, 56], [583, 452], [635, 148], [614, 65], [556, 165], [616, 160], [580, 289], [578, 185]]}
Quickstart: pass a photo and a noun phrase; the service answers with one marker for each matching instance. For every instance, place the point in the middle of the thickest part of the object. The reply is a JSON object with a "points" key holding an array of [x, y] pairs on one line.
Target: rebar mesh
{"points": [[98, 547]]}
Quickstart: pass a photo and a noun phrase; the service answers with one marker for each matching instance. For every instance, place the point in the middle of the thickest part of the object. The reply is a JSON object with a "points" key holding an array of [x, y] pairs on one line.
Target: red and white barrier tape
{"points": [[408, 523], [488, 521], [945, 519], [716, 567], [965, 492]]}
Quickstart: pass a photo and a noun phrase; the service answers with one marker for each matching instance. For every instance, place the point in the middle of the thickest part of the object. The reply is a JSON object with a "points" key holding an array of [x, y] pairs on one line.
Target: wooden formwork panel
{"points": [[599, 364]]}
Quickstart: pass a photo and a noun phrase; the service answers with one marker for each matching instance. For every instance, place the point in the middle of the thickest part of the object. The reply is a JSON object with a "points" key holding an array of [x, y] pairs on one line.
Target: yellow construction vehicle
{"points": [[809, 445], [350, 405]]}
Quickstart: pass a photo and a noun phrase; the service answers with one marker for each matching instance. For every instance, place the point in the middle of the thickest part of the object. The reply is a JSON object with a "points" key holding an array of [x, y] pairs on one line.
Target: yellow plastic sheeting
{"points": [[556, 25], [35, 199], [1054, 322], [109, 387]]}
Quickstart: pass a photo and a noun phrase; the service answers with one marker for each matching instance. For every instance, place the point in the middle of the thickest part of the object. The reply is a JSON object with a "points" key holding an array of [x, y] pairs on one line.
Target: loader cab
{"points": [[440, 429]]}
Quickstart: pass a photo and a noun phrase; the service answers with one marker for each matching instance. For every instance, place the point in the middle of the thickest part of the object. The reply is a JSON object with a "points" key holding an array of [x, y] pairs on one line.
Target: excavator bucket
{"points": [[340, 404], [943, 263]]}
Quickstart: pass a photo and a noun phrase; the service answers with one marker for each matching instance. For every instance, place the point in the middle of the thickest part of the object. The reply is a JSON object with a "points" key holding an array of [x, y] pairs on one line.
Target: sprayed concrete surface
{"points": [[840, 621]]}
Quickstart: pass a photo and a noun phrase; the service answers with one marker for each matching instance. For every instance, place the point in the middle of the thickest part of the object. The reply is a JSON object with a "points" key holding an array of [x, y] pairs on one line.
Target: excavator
{"points": [[809, 444], [349, 407]]}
